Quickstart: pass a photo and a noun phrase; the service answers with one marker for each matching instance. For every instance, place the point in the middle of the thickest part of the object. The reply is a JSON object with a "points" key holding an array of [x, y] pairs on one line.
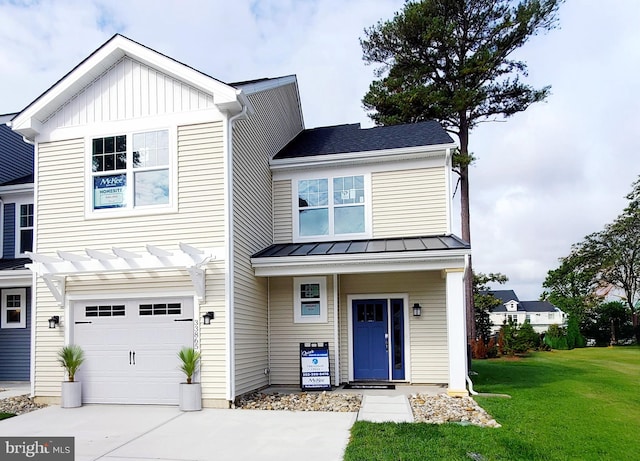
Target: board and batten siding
{"points": [[408, 203], [282, 212], [286, 336], [427, 334], [199, 221], [128, 90], [275, 121]]}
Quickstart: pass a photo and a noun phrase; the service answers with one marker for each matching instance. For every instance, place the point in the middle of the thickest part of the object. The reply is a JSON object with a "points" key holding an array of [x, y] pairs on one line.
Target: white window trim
{"points": [[23, 308], [329, 175], [17, 240], [130, 209], [297, 300]]}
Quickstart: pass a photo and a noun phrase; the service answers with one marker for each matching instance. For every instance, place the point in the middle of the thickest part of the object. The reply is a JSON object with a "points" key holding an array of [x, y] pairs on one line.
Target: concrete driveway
{"points": [[132, 432]]}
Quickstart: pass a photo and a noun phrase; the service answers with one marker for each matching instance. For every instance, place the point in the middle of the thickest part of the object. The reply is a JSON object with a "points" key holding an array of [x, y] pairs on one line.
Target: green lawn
{"points": [[582, 404], [6, 415]]}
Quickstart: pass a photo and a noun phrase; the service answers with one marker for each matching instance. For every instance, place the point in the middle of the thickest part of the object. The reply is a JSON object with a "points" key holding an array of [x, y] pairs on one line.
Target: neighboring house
{"points": [[540, 314], [16, 238], [164, 194]]}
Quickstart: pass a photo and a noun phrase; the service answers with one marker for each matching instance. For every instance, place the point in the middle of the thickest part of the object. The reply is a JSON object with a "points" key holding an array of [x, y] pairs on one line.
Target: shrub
{"points": [[478, 349]]}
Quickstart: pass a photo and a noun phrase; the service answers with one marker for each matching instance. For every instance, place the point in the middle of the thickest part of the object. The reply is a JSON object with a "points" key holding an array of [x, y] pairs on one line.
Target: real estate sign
{"points": [[314, 366]]}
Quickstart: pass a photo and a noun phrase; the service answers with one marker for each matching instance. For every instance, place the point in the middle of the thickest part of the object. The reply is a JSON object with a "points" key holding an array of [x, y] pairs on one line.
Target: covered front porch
{"points": [[396, 315]]}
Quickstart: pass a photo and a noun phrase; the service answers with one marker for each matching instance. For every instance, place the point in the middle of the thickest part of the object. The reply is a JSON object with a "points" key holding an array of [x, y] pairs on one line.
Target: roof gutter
{"points": [[373, 156]]}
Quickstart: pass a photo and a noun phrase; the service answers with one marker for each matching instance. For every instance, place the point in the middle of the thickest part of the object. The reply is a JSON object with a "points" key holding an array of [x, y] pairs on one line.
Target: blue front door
{"points": [[370, 340]]}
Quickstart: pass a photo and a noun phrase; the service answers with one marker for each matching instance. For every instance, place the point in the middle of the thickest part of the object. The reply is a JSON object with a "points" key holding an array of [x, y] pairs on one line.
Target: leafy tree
{"points": [[572, 286], [610, 257], [485, 302], [609, 322], [450, 60], [574, 337]]}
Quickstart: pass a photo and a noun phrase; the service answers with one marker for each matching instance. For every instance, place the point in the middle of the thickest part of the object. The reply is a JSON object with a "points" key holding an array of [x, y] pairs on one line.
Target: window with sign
{"points": [[14, 308], [310, 300], [332, 207], [131, 171]]}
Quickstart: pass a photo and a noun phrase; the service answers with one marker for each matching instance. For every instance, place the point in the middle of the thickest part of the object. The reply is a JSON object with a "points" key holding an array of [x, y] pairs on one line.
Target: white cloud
{"points": [[544, 178]]}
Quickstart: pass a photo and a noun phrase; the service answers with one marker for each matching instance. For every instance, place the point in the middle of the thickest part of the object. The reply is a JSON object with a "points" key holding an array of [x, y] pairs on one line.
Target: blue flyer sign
{"points": [[109, 191], [314, 367]]}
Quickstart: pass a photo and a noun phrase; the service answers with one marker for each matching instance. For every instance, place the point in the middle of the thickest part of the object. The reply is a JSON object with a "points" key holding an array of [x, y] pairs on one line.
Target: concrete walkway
{"points": [[14, 388], [385, 408], [152, 432]]}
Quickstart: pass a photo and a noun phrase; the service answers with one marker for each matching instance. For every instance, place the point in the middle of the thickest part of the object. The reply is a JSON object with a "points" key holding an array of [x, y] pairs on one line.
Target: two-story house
{"points": [[16, 237], [540, 314], [174, 209]]}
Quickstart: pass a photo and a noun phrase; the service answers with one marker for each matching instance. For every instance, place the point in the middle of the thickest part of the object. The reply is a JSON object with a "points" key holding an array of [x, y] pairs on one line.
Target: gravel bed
{"points": [[19, 405], [316, 401], [441, 408], [434, 409]]}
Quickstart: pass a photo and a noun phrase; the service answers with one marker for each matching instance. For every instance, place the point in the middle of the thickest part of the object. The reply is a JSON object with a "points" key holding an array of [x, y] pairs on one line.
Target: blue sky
{"points": [[543, 179]]}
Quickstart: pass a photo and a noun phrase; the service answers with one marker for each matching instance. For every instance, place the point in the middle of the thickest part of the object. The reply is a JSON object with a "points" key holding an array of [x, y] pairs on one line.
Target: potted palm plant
{"points": [[190, 392], [71, 357]]}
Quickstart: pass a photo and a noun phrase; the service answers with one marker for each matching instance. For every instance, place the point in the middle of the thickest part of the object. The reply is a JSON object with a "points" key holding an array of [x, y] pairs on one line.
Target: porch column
{"points": [[456, 332]]}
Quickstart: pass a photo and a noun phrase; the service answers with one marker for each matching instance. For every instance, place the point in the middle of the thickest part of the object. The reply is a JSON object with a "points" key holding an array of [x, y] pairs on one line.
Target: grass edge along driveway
{"points": [[582, 404]]}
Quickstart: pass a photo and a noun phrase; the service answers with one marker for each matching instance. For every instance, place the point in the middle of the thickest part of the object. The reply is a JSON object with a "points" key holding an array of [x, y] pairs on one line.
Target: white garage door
{"points": [[131, 349]]}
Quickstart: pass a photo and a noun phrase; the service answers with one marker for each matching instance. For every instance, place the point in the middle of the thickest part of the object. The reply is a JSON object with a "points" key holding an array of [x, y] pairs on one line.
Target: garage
{"points": [[131, 348]]}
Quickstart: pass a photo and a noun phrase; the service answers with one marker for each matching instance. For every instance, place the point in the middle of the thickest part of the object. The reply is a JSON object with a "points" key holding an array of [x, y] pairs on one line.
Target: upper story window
{"points": [[25, 228], [332, 207], [130, 171]]}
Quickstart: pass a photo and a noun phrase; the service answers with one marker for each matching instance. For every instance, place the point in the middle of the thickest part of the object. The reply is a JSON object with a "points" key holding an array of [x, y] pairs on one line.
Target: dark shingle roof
{"points": [[351, 138], [16, 158], [13, 264], [503, 295], [537, 306], [343, 247]]}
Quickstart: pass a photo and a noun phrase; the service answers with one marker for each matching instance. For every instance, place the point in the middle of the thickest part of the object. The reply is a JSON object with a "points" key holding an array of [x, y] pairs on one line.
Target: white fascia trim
{"points": [[359, 263], [373, 156], [28, 122], [257, 87], [26, 188], [16, 278]]}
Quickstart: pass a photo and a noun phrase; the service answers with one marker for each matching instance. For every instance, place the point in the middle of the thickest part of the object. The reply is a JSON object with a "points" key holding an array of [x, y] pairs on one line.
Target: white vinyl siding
{"points": [[127, 90], [282, 212], [255, 141], [286, 335], [199, 221], [409, 203], [428, 333]]}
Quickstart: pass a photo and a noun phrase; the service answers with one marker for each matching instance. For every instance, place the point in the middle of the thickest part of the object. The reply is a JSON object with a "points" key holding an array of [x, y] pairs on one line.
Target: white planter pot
{"points": [[71, 394], [190, 397]]}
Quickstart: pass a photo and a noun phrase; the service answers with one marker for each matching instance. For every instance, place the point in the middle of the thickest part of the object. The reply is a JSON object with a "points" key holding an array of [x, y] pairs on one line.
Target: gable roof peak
{"points": [[30, 121]]}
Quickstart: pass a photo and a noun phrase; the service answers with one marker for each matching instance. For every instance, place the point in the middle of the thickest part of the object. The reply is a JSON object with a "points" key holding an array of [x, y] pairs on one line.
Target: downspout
{"points": [[336, 332], [228, 224], [468, 379]]}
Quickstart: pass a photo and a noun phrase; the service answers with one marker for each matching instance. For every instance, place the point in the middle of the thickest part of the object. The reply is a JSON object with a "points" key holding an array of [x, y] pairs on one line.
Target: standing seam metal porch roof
{"points": [[345, 247]]}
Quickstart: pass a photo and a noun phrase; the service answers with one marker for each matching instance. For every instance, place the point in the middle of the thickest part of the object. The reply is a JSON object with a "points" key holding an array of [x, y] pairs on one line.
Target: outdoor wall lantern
{"points": [[417, 310], [208, 317], [53, 321]]}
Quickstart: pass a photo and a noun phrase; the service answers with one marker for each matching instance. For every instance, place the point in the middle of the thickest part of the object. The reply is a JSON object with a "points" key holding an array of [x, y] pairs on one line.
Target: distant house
{"points": [[16, 238], [541, 314]]}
